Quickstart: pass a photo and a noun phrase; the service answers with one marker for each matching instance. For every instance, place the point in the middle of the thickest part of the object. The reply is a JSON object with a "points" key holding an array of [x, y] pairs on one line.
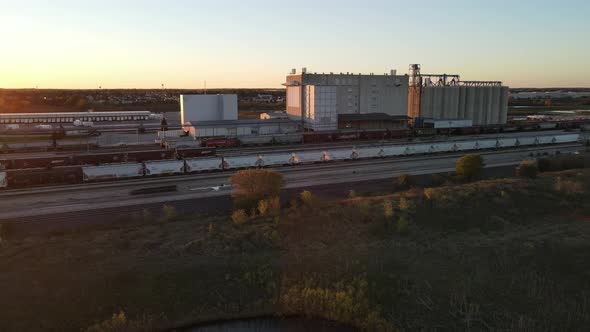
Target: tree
{"points": [[470, 167], [251, 186], [527, 169]]}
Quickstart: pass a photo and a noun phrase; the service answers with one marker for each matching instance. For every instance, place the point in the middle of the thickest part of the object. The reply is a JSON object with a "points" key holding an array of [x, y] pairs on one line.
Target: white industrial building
{"points": [[317, 99], [200, 108], [239, 128]]}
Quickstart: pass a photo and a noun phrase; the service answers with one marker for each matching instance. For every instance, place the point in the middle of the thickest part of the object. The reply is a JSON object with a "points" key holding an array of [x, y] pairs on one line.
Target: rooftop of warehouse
{"points": [[372, 116], [246, 122]]}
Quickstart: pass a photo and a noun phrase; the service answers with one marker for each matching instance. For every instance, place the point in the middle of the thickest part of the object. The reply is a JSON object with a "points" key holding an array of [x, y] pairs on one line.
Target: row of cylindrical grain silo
{"points": [[462, 108], [440, 102], [482, 104], [496, 109], [503, 105], [426, 103], [451, 102]]}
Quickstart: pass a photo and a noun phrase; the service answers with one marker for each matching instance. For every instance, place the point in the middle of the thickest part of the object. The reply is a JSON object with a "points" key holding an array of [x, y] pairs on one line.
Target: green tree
{"points": [[470, 167], [527, 169]]}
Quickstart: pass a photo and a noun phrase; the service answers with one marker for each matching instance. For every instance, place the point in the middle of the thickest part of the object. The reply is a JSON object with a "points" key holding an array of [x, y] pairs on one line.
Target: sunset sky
{"points": [[237, 43]]}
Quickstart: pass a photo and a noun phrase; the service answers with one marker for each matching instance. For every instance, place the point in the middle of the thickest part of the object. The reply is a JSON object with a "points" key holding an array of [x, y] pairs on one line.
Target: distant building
{"points": [[273, 115], [239, 128], [317, 99], [263, 99], [201, 108]]}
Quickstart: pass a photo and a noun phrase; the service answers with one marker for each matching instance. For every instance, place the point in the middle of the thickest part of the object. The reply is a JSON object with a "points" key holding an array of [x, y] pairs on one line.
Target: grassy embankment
{"points": [[506, 254]]}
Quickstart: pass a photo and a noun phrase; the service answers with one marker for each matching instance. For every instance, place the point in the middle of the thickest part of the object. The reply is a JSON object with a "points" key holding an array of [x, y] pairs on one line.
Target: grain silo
{"points": [[443, 96]]}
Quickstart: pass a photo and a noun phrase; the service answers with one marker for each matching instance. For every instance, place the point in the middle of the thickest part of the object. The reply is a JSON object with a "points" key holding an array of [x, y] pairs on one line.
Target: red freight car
{"points": [[36, 162], [195, 152], [221, 142]]}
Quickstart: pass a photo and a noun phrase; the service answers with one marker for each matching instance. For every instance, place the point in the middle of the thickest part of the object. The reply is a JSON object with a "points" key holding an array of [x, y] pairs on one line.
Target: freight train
{"points": [[104, 158], [18, 178], [383, 134]]}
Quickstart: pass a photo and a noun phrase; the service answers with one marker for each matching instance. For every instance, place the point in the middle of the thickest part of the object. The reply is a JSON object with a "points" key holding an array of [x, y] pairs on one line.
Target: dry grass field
{"points": [[499, 255]]}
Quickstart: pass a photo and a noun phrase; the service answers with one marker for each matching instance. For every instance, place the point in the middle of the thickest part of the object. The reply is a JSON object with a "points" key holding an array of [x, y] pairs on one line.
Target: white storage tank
{"points": [[496, 97], [426, 103], [462, 110], [504, 105]]}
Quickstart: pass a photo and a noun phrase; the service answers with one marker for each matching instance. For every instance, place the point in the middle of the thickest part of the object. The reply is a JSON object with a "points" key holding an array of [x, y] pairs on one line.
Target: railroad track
{"points": [[223, 175]]}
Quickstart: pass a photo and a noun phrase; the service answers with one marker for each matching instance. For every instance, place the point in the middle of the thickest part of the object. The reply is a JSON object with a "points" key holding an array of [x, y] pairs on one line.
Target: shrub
{"points": [[429, 193], [568, 187], [262, 207], [120, 323], [405, 181], [274, 206], [352, 194], [388, 209], [563, 162], [527, 169], [169, 212], [364, 209], [307, 198], [470, 167], [251, 186], [239, 217], [402, 224], [404, 204], [345, 302]]}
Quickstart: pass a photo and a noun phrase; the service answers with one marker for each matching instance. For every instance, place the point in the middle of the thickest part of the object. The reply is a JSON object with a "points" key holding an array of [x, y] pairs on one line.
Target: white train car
{"points": [[112, 171], [278, 159], [245, 161], [164, 167], [203, 164]]}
